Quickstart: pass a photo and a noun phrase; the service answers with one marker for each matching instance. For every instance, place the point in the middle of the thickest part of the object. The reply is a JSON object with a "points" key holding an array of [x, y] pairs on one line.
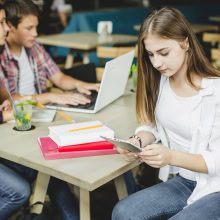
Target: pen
{"points": [[65, 116], [80, 129]]}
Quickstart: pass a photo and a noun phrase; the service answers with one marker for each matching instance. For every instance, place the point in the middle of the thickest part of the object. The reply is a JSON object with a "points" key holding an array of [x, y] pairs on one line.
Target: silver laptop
{"points": [[112, 86]]}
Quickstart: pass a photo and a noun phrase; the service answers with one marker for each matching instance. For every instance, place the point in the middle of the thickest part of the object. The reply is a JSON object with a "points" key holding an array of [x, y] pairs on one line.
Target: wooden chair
{"points": [[215, 56], [110, 52], [213, 38]]}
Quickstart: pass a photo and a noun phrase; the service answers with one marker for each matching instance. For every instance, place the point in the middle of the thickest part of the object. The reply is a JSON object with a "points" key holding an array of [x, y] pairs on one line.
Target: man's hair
{"points": [[1, 6], [17, 9]]}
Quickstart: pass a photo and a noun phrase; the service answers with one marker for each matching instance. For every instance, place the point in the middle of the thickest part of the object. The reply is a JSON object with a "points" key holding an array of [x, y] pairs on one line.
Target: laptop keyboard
{"points": [[90, 105]]}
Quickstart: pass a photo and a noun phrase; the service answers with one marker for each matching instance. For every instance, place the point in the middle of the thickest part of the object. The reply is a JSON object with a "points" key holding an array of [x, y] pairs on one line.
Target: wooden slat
{"points": [[215, 54], [211, 38], [112, 52]]}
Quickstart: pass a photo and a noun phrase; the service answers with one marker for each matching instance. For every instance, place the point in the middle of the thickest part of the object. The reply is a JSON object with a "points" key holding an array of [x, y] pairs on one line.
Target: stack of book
{"points": [[77, 140]]}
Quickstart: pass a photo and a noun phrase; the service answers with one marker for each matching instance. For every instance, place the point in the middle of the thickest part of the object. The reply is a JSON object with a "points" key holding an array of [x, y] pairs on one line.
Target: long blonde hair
{"points": [[168, 23]]}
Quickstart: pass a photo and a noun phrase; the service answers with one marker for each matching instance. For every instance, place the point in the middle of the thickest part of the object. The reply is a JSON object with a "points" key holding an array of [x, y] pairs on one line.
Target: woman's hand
{"points": [[128, 155], [156, 155], [6, 105]]}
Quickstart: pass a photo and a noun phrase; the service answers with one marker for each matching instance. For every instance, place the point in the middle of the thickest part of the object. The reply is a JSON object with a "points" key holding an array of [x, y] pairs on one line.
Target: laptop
{"points": [[112, 86]]}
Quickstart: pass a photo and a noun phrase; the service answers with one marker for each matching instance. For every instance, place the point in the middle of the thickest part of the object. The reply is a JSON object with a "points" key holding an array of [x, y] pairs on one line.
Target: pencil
{"points": [[65, 116], [34, 103], [80, 129], [41, 105]]}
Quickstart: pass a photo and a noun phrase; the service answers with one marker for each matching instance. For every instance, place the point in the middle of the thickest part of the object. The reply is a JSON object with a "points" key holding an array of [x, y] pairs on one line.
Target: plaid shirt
{"points": [[41, 64]]}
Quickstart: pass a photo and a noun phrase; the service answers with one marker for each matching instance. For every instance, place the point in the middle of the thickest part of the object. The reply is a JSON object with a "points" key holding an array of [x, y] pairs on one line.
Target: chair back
{"points": [[110, 52]]}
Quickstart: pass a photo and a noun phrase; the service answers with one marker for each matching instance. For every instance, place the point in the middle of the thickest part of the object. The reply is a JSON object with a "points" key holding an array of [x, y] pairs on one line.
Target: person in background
{"points": [[177, 103], [26, 65], [54, 15], [14, 189], [59, 6]]}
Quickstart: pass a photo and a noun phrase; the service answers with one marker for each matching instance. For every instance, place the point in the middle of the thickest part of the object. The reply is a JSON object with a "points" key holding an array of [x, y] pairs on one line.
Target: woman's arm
{"points": [[157, 155]]}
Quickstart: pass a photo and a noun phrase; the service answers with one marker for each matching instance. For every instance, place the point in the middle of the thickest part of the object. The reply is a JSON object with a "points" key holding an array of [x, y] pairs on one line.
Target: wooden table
{"points": [[88, 173], [83, 42], [197, 28]]}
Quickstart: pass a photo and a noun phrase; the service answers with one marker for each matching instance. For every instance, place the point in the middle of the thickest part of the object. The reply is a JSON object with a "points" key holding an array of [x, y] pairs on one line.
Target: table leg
{"points": [[69, 59], [120, 187], [85, 57], [84, 205], [39, 192]]}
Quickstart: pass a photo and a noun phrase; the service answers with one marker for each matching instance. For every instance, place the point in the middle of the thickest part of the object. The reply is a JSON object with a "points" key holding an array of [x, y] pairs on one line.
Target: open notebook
{"points": [[41, 115], [112, 86]]}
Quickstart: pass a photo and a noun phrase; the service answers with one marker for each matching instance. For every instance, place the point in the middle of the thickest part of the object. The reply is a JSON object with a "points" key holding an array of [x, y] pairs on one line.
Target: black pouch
{"points": [[83, 72], [26, 215]]}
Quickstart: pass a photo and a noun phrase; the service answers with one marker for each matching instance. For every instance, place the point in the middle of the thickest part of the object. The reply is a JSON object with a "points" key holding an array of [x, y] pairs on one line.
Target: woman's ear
{"points": [[186, 44]]}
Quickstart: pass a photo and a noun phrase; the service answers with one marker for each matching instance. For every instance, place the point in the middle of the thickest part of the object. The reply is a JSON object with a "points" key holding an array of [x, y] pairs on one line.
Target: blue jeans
{"points": [[130, 182], [14, 192], [58, 191], [167, 201]]}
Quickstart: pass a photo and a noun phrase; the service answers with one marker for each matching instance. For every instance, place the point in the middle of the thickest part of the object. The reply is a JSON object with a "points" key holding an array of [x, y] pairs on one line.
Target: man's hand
{"points": [[84, 87], [69, 98]]}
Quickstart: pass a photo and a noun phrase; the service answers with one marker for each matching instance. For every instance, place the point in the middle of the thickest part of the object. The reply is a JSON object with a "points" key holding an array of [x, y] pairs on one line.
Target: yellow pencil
{"points": [[65, 116], [41, 105], [80, 129]]}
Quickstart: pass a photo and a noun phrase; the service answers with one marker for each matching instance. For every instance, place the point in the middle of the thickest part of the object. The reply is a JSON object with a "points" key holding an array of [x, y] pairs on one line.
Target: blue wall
{"points": [[124, 20]]}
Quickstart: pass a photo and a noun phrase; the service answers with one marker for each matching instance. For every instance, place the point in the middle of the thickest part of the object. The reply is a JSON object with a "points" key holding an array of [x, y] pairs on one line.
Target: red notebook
{"points": [[101, 145], [51, 151]]}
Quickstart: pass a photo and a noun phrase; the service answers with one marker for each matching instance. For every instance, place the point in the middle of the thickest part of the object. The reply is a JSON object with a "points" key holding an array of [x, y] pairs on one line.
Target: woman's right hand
{"points": [[128, 155]]}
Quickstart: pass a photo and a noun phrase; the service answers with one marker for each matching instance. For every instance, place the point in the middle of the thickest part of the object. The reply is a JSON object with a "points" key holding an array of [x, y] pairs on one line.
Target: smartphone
{"points": [[123, 144]]}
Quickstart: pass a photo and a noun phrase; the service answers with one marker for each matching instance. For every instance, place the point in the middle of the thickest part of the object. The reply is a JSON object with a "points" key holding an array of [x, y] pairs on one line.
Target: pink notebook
{"points": [[46, 144]]}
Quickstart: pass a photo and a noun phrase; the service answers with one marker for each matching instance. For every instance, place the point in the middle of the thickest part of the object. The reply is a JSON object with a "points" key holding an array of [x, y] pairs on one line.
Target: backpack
{"points": [[26, 215]]}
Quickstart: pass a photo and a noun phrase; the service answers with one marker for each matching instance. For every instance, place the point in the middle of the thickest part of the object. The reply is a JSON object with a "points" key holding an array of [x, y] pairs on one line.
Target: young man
{"points": [[14, 189], [26, 65]]}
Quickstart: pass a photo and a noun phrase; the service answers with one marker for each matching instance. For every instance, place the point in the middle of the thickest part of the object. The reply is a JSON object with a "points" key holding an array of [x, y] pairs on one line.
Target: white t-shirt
{"points": [[26, 80], [173, 113]]}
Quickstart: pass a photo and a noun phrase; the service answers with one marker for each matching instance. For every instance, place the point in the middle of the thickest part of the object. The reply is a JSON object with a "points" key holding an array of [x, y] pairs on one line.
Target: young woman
{"points": [[178, 104], [14, 189]]}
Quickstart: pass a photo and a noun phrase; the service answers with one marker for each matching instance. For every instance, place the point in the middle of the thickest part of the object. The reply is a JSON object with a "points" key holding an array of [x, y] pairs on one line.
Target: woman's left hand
{"points": [[156, 155]]}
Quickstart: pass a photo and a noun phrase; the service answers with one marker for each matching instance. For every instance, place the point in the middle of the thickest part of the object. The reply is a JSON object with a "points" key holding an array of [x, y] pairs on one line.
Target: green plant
{"points": [[133, 74]]}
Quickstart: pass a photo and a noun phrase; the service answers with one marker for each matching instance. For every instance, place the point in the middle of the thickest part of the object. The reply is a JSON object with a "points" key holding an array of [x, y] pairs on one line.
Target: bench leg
{"points": [[120, 187], [84, 205], [40, 191]]}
